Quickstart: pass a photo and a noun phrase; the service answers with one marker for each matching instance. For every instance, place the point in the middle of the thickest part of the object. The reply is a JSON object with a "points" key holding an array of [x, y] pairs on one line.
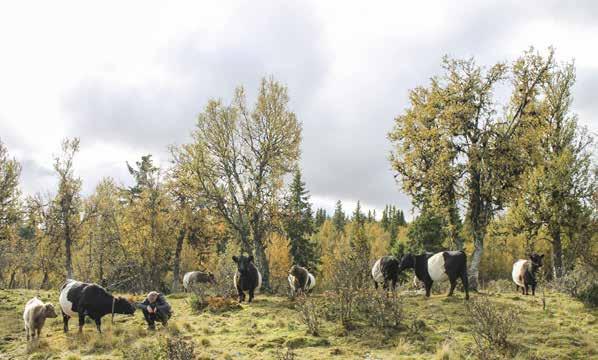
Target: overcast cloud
{"points": [[130, 78]]}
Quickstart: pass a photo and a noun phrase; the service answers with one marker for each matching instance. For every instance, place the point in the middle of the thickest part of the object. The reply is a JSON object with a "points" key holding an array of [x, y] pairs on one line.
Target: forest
{"points": [[492, 157]]}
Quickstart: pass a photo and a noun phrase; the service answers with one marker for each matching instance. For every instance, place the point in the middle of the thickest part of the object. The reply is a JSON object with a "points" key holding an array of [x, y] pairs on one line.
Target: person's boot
{"points": [[151, 327]]}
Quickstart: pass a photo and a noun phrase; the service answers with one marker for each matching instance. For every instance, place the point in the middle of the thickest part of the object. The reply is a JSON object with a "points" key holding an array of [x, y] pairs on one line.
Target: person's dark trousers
{"points": [[151, 318]]}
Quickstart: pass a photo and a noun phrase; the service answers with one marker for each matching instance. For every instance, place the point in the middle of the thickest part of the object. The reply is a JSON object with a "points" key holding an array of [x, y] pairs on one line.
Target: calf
{"points": [[384, 270], [524, 273], [247, 278], [197, 277], [35, 315], [444, 265], [92, 300], [300, 280]]}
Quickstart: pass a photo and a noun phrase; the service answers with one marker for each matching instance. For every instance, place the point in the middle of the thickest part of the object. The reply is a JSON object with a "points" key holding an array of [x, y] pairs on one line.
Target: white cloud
{"points": [[130, 77]]}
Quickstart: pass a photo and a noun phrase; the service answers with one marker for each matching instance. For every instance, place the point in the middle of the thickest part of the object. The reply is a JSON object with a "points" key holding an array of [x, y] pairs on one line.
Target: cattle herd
{"points": [[83, 299]]}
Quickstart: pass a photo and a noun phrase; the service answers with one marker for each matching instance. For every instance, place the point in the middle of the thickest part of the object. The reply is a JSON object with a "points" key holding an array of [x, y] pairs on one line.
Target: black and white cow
{"points": [[82, 299], [384, 270], [524, 273], [444, 265], [247, 277], [300, 280]]}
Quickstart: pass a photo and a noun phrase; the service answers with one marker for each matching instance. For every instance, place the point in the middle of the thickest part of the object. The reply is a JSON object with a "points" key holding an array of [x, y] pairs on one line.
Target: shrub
{"points": [[500, 286], [381, 309], [179, 349], [490, 325], [589, 295], [580, 283], [347, 281], [214, 304], [310, 314], [287, 354], [225, 271]]}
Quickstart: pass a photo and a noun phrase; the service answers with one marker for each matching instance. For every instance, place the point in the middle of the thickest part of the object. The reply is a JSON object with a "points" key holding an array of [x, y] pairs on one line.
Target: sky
{"points": [[129, 78]]}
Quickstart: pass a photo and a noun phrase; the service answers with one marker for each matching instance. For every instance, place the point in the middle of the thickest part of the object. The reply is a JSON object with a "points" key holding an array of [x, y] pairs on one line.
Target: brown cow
{"points": [[35, 315]]}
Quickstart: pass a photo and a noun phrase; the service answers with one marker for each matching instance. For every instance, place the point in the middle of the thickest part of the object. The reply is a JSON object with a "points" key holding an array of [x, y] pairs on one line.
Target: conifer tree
{"points": [[299, 225], [321, 216], [338, 219]]}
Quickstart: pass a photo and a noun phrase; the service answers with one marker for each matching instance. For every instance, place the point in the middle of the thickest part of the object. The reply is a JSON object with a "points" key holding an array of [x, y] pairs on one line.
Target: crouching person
{"points": [[155, 308]]}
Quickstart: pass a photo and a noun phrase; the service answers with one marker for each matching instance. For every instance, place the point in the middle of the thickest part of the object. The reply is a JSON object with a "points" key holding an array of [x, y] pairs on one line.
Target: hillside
{"points": [[434, 328]]}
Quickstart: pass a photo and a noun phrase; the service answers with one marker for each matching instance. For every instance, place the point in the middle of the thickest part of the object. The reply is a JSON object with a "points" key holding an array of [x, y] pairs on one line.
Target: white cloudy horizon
{"points": [[130, 78]]}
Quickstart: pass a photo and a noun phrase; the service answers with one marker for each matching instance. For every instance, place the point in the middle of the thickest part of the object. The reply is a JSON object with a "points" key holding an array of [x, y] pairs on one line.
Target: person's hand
{"points": [[149, 309]]}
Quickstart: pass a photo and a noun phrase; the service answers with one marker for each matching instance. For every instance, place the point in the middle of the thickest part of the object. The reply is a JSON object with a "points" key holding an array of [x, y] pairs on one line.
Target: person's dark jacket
{"points": [[161, 304]]}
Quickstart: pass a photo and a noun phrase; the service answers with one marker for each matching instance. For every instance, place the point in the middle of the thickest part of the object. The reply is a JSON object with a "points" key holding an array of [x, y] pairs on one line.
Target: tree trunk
{"points": [[45, 280], [262, 263], [67, 250], [475, 213], [557, 253], [176, 269], [11, 283]]}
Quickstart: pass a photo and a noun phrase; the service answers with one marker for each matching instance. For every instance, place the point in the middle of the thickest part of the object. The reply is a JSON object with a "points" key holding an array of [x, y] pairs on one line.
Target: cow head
{"points": [[123, 306], [211, 278], [536, 260], [49, 311], [407, 262], [243, 263], [296, 271]]}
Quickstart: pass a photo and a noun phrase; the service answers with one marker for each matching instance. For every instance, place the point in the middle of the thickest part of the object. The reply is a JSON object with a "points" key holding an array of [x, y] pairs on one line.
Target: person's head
{"points": [[152, 297]]}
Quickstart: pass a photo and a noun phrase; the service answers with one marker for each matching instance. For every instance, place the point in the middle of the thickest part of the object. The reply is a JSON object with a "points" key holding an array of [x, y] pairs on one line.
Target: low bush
{"points": [[310, 314], [580, 283], [490, 325], [380, 308], [214, 304], [179, 349]]}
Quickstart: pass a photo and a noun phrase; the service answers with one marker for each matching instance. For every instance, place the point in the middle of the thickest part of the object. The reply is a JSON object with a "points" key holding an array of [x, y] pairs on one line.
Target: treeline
{"points": [[497, 179]]}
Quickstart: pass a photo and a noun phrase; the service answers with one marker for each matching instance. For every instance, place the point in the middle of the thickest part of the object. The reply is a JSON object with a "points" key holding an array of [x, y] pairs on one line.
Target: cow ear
{"points": [[235, 259], [250, 258]]}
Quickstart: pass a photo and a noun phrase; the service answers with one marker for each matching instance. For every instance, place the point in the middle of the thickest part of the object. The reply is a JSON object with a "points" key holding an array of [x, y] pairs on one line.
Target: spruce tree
{"points": [[299, 225], [338, 219], [321, 216], [358, 215], [385, 220]]}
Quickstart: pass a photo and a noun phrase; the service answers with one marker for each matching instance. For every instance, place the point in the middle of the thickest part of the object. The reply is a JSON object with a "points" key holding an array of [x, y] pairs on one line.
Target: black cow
{"points": [[247, 278], [92, 300], [438, 267], [384, 270], [524, 273]]}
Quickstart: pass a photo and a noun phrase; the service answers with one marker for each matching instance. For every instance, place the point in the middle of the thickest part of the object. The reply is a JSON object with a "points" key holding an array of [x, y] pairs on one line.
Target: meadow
{"points": [[271, 328]]}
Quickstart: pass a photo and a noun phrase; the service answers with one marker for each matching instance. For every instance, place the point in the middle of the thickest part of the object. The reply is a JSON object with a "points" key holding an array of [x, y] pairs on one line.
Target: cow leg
{"points": [[465, 283], [533, 290], [27, 332], [393, 284], [81, 321], [428, 286], [65, 322], [99, 324], [516, 288], [453, 284], [251, 295], [525, 292], [39, 332], [376, 285], [385, 285]]}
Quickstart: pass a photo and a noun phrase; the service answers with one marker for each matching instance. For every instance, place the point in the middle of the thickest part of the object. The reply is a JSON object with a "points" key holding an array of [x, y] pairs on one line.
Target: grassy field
{"points": [[437, 328]]}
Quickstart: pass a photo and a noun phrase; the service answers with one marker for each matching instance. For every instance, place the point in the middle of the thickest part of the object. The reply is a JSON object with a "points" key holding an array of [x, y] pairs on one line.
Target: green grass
{"points": [[435, 328]]}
